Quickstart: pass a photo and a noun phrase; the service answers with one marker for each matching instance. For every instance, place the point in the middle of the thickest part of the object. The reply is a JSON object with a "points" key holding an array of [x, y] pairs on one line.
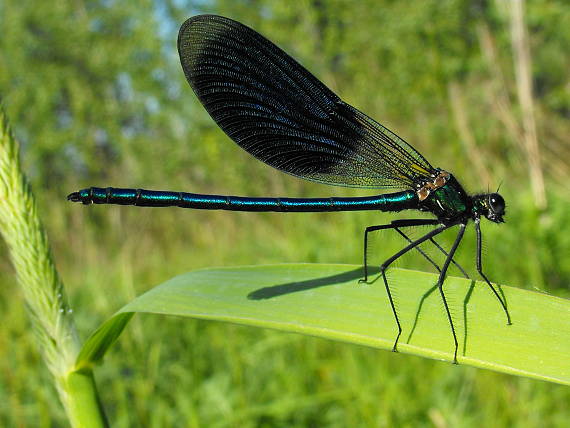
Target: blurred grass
{"points": [[62, 61]]}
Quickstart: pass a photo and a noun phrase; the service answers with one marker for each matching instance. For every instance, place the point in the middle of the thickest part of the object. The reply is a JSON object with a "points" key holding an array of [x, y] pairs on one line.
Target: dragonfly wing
{"points": [[280, 113]]}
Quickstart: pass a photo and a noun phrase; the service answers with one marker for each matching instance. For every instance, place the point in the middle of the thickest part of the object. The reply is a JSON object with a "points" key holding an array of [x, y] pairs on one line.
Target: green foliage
{"points": [[95, 92], [307, 299]]}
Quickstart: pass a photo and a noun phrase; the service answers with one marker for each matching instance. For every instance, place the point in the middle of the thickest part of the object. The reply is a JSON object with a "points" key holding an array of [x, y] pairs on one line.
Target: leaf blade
{"points": [[326, 301]]}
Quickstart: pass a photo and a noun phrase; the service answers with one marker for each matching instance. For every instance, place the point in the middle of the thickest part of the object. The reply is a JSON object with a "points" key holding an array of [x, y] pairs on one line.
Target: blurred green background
{"points": [[96, 96]]}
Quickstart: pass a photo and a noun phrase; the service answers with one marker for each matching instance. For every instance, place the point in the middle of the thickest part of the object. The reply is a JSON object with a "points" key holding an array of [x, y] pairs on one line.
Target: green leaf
{"points": [[327, 301]]}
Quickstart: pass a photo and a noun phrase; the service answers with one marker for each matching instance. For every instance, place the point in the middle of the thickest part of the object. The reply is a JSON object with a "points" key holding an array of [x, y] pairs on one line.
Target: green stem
{"points": [[84, 407]]}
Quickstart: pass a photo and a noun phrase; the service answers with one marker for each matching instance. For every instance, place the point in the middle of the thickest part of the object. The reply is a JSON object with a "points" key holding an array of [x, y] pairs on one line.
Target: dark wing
{"points": [[280, 113]]}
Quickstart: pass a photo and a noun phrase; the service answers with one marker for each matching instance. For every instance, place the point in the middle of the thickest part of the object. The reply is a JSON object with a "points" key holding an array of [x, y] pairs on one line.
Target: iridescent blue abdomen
{"points": [[150, 198]]}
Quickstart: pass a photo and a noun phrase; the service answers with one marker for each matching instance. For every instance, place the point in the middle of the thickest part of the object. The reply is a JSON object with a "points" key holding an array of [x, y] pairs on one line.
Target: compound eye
{"points": [[496, 203]]}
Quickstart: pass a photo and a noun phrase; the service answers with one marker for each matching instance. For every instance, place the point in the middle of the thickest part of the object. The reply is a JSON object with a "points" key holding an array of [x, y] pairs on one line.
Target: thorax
{"points": [[445, 198]]}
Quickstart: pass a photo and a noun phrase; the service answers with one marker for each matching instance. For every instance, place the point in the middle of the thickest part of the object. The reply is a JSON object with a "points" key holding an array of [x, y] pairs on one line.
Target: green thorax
{"points": [[449, 201]]}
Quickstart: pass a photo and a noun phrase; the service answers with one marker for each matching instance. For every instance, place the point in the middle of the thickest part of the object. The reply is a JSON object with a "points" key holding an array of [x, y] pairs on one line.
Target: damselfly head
{"points": [[490, 205], [495, 207]]}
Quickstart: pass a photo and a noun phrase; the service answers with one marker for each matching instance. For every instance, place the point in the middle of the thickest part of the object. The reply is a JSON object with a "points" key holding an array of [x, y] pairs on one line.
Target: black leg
{"points": [[440, 248], [396, 224], [480, 270], [441, 280], [393, 225], [422, 252], [457, 265], [400, 253]]}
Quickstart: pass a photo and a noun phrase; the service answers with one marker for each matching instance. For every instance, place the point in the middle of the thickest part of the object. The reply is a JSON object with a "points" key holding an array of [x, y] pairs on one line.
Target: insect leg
{"points": [[388, 262], [441, 279], [422, 252], [393, 225], [457, 265], [480, 270], [429, 259]]}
